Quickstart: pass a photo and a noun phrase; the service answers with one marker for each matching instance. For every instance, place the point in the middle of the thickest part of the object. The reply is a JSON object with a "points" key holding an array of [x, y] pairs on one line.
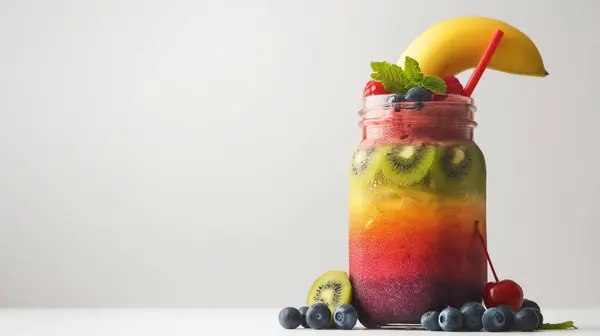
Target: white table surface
{"points": [[198, 322]]}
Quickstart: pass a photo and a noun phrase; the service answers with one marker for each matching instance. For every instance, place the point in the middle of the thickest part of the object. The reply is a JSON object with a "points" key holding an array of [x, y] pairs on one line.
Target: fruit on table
{"points": [[500, 293], [345, 316], [474, 317], [455, 45], [406, 164], [302, 311], [509, 314], [526, 319], [429, 321], [505, 292], [494, 320], [332, 289], [318, 316], [472, 313], [450, 319], [290, 318], [530, 304]]}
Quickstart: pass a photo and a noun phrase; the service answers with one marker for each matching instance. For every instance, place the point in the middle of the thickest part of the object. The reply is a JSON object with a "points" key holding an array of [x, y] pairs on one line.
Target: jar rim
{"points": [[462, 101]]}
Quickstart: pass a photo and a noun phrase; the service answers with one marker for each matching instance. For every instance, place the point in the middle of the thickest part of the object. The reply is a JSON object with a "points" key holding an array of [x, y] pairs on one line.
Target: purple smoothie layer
{"points": [[403, 301]]}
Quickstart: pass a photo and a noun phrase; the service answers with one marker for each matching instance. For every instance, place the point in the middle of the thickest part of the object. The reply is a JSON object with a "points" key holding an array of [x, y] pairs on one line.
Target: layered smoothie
{"points": [[417, 202], [418, 252]]}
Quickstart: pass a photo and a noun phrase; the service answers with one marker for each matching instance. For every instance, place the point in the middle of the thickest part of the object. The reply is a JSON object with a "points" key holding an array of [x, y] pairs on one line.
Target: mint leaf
{"points": [[391, 76], [413, 71], [558, 326], [378, 66], [376, 76], [434, 84]]}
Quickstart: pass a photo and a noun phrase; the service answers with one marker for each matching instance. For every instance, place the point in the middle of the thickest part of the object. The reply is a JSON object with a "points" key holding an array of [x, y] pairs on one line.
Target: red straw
{"points": [[483, 63]]}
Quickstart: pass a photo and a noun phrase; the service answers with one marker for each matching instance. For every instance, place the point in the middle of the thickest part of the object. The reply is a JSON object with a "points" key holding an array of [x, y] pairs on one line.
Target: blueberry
{"points": [[318, 316], [530, 304], [494, 320], [302, 311], [429, 321], [290, 318], [450, 319], [418, 94], [526, 319], [345, 316], [472, 313], [396, 98], [509, 314]]}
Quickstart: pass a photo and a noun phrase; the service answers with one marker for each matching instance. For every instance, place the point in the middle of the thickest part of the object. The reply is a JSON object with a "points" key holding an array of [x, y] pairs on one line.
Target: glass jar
{"points": [[417, 206]]}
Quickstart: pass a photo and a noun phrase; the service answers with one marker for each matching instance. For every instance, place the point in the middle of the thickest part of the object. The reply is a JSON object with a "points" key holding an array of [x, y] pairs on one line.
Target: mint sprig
{"points": [[398, 80], [558, 326], [391, 76]]}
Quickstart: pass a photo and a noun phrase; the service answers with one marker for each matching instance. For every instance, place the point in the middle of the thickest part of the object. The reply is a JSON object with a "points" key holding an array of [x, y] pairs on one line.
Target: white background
{"points": [[195, 153]]}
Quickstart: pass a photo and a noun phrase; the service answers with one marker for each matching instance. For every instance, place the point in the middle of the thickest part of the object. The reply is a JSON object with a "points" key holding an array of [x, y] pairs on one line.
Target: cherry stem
{"points": [[487, 254]]}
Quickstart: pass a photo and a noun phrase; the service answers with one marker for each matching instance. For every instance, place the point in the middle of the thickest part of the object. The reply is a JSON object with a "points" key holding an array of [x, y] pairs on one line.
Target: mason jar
{"points": [[417, 206]]}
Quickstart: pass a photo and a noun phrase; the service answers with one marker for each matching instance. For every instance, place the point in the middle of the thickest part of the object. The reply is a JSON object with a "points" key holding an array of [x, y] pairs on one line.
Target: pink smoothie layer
{"points": [[447, 118]]}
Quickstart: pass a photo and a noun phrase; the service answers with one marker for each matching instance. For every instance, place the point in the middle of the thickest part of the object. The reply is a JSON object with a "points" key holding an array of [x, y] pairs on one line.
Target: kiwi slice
{"points": [[405, 164], [363, 168], [458, 168], [332, 288]]}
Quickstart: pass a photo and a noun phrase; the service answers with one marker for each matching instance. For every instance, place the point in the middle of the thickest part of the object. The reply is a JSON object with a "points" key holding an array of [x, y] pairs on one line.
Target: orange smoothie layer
{"points": [[405, 236]]}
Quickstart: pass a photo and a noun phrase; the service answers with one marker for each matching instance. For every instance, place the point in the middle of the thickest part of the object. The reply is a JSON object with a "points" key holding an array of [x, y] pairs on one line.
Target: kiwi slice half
{"points": [[405, 164], [459, 168], [364, 166], [332, 288]]}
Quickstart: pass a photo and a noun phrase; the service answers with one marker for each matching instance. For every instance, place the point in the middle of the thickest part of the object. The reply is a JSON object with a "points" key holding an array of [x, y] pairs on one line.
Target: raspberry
{"points": [[454, 85], [374, 88]]}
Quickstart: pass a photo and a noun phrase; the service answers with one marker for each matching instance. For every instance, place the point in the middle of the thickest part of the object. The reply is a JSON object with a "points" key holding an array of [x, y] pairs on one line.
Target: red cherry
{"points": [[453, 85], [495, 293], [505, 292], [374, 88]]}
